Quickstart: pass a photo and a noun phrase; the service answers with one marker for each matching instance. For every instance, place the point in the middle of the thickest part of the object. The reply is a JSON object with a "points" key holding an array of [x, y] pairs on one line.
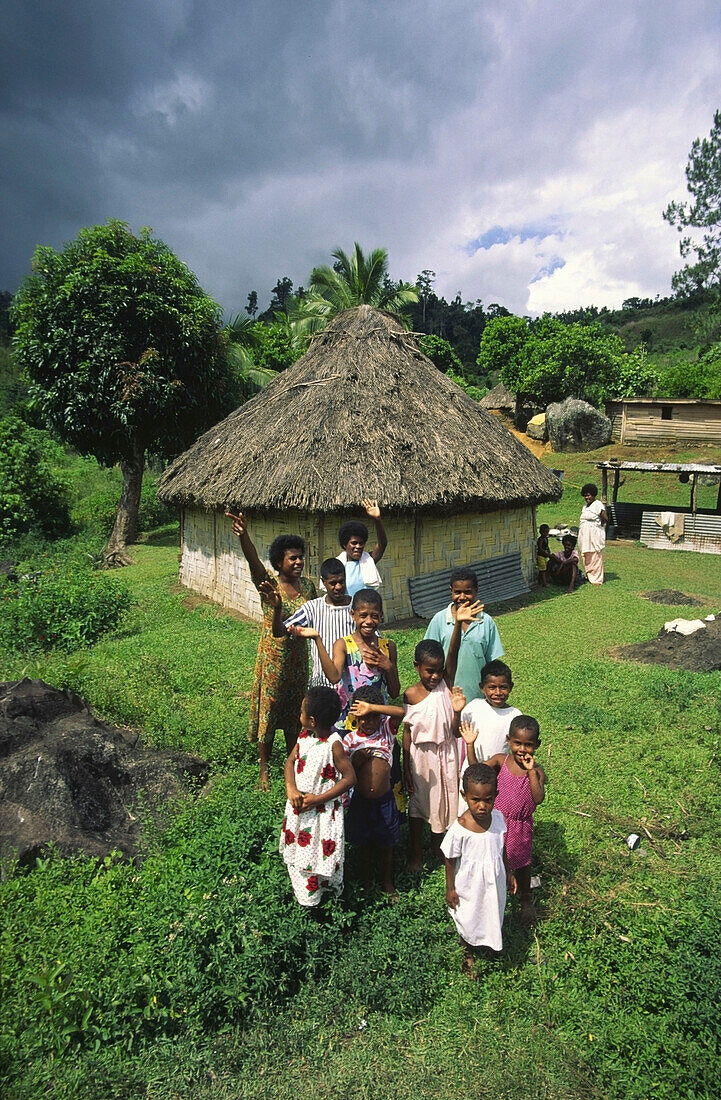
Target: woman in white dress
{"points": [[592, 534]]}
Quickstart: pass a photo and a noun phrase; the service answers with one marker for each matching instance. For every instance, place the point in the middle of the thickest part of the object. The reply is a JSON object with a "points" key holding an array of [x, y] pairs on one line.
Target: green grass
{"points": [[195, 975]]}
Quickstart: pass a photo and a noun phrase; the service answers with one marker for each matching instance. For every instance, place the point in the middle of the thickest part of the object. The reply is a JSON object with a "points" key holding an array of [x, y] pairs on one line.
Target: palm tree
{"points": [[357, 280], [241, 343]]}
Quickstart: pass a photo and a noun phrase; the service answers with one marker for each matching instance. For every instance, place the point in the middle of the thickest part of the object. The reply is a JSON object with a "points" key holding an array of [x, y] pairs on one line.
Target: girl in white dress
{"points": [[317, 773], [474, 854]]}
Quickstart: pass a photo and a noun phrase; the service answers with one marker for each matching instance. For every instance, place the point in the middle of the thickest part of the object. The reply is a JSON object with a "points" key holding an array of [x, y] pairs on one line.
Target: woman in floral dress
{"points": [[317, 773], [281, 667]]}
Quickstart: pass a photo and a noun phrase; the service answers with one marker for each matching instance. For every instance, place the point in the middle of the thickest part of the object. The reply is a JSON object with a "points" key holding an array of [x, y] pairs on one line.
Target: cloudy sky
{"points": [[522, 149]]}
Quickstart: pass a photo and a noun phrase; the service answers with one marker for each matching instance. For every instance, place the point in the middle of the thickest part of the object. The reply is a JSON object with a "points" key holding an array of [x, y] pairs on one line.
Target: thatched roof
{"points": [[499, 398], [363, 414]]}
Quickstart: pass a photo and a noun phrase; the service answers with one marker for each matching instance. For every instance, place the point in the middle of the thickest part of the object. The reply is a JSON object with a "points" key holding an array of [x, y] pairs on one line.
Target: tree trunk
{"points": [[125, 527]]}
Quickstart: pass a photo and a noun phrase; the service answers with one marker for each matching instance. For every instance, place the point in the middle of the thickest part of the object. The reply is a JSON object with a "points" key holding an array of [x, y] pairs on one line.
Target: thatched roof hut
{"points": [[499, 398], [363, 414]]}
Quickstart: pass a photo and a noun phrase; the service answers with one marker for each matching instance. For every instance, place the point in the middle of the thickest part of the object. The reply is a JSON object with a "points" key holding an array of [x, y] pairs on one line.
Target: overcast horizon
{"points": [[523, 151]]}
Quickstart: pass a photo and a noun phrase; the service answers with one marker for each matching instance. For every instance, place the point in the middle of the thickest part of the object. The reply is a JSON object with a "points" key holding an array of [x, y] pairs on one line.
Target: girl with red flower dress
{"points": [[317, 773]]}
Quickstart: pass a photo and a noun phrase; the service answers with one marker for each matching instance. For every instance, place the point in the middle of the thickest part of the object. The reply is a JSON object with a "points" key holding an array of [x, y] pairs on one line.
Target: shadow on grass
{"points": [[161, 536]]}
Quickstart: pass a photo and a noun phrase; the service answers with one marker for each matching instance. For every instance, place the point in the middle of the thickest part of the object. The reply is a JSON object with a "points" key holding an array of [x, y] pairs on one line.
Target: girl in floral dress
{"points": [[281, 667], [317, 773]]}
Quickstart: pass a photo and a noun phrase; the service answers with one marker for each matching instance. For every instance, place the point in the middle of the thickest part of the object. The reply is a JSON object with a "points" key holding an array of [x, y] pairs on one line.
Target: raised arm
{"points": [[469, 734], [392, 677], [466, 613], [360, 708], [458, 702], [536, 777], [331, 668], [258, 571], [372, 509]]}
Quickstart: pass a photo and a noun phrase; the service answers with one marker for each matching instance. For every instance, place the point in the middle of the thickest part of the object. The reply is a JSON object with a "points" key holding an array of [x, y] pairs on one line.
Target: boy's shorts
{"points": [[373, 820], [542, 564]]}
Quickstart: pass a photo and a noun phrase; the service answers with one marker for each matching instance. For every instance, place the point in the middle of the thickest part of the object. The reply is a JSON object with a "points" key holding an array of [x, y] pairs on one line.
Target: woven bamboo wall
{"points": [[212, 564]]}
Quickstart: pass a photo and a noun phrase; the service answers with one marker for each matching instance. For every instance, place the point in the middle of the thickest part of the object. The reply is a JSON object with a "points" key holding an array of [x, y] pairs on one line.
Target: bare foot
{"points": [[264, 782], [467, 967], [389, 889], [414, 866], [528, 913]]}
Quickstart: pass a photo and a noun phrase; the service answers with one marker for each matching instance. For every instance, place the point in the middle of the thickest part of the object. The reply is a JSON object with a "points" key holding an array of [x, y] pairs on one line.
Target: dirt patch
{"points": [[672, 597], [699, 652]]}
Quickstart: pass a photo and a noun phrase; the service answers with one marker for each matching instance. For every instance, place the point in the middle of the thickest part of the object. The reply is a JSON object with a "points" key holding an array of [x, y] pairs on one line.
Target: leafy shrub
{"points": [[476, 392], [59, 609], [699, 380], [440, 353], [97, 511], [32, 495]]}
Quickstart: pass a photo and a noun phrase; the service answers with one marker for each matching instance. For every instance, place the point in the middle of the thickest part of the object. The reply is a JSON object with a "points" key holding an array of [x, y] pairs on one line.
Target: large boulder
{"points": [[70, 780], [575, 425], [536, 428]]}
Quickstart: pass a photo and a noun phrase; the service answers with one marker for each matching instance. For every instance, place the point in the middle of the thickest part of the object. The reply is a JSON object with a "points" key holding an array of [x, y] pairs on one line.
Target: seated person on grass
{"points": [[563, 565]]}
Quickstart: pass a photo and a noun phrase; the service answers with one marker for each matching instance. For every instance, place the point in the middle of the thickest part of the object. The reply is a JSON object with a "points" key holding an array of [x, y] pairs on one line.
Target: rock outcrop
{"points": [[575, 425], [70, 780]]}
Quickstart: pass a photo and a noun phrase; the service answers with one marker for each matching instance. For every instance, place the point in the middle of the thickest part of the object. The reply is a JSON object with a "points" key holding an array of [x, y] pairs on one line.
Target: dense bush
{"points": [[62, 609], [202, 934], [697, 380], [33, 498], [476, 392], [440, 353], [97, 510]]}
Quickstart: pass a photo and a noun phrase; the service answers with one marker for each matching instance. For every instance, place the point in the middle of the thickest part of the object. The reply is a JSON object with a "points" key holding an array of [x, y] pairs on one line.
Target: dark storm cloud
{"points": [[254, 137]]}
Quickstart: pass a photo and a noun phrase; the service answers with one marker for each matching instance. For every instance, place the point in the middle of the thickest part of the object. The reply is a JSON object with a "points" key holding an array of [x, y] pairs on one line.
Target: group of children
{"points": [[562, 567], [468, 761]]}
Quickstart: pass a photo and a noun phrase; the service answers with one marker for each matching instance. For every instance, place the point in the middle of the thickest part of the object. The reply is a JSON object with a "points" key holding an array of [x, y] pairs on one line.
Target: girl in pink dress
{"points": [[521, 787], [430, 741]]}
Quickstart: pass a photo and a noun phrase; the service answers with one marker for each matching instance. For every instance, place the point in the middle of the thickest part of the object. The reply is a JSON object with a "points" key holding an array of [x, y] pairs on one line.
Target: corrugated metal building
{"points": [[664, 420]]}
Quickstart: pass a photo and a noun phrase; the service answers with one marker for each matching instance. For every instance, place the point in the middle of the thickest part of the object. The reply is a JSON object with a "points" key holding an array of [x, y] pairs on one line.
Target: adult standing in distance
{"points": [[592, 534]]}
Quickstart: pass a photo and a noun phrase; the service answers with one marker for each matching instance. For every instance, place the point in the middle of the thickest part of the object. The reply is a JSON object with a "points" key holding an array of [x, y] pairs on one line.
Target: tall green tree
{"points": [[703, 179], [548, 360], [357, 280], [502, 343], [124, 352]]}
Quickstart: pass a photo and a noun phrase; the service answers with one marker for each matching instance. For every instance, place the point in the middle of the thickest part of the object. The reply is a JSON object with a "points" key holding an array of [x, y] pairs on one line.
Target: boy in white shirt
{"points": [[485, 721]]}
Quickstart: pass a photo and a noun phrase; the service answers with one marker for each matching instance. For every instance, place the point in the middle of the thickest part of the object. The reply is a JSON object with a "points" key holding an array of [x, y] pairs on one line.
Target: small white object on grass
{"points": [[535, 881], [684, 626]]}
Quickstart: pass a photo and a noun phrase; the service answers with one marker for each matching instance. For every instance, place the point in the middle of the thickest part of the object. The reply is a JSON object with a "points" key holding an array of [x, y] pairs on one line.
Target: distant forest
{"points": [[677, 331]]}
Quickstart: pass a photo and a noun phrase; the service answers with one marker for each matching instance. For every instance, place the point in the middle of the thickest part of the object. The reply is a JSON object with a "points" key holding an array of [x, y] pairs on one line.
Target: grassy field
{"points": [[194, 974]]}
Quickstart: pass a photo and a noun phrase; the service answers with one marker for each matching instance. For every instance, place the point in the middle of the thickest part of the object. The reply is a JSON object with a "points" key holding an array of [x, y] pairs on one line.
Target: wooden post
{"points": [[718, 498], [694, 478], [604, 483], [616, 482]]}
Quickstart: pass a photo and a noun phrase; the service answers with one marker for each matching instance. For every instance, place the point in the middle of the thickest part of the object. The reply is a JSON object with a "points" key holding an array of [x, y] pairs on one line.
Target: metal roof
{"points": [[662, 467], [498, 579]]}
